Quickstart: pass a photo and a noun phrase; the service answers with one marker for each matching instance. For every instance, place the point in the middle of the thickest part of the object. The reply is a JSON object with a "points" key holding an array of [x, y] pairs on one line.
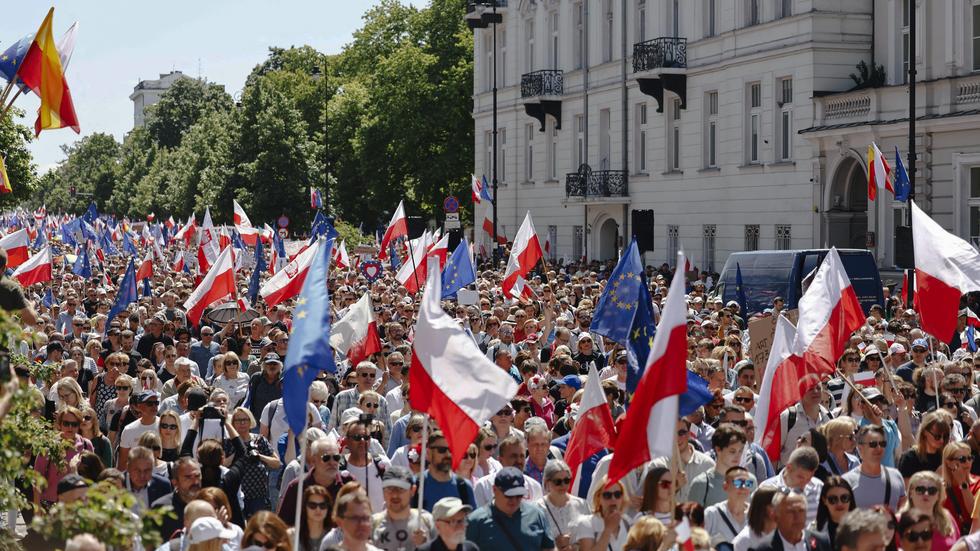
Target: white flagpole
{"points": [[299, 489]]}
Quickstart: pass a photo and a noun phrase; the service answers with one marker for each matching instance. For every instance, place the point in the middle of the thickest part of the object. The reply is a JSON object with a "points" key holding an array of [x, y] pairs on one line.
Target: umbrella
{"points": [[230, 312]]}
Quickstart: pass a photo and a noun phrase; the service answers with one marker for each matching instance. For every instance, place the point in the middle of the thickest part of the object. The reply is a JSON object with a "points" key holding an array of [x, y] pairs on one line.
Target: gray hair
{"points": [[141, 452], [555, 466], [84, 542], [805, 458], [780, 496], [858, 522], [181, 361]]}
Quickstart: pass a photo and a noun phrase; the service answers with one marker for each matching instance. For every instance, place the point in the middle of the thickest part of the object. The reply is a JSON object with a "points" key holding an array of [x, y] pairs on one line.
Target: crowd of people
{"points": [[191, 418]]}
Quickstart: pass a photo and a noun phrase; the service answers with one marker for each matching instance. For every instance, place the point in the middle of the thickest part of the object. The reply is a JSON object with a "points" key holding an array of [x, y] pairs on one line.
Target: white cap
{"points": [[209, 528]]}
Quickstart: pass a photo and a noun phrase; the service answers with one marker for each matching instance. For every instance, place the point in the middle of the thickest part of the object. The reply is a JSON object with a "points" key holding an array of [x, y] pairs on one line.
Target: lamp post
{"points": [[316, 74], [496, 242]]}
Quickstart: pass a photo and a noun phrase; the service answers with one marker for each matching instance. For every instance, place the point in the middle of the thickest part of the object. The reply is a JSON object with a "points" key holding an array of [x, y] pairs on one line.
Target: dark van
{"points": [[768, 274]]}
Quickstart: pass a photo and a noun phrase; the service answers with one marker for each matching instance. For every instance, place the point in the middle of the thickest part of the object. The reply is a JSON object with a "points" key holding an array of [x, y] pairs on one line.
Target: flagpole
{"points": [[674, 464], [11, 104], [854, 388], [425, 438], [6, 92], [935, 383], [415, 269], [299, 487]]}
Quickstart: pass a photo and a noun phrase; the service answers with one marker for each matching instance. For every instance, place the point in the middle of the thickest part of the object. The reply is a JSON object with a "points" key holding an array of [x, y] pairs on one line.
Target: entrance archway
{"points": [[847, 215], [608, 240]]}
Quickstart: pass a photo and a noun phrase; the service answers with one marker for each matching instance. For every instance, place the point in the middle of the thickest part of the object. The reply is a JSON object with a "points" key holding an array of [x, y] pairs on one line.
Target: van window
{"points": [[764, 277]]}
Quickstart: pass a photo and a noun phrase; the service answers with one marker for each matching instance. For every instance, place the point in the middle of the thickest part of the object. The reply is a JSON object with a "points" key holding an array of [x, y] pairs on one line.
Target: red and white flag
{"points": [[340, 257], [37, 269], [780, 388], [244, 226], [878, 172], [187, 232], [398, 227], [412, 272], [488, 228], [652, 417], [440, 250], [594, 429], [451, 379], [683, 531], [475, 188], [217, 287], [288, 281], [356, 334], [145, 270], [526, 251], [946, 267], [208, 247], [170, 222], [16, 244]]}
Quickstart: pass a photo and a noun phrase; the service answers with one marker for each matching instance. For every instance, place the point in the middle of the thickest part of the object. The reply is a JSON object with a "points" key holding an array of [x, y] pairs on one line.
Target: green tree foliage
{"points": [[21, 171], [89, 166], [181, 107]]}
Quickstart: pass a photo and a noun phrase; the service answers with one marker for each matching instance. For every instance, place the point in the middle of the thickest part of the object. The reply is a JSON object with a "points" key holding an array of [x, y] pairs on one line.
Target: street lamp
{"points": [[316, 74]]}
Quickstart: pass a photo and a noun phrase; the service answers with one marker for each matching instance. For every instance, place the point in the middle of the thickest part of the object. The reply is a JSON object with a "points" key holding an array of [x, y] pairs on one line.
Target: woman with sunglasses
{"points": [[466, 465], [656, 494], [315, 520], [609, 524], [413, 431], [915, 531], [171, 435], [102, 389], [836, 500], [562, 509], [726, 519], [926, 454], [148, 379], [926, 493], [962, 486], [761, 521], [68, 420], [486, 444], [231, 379], [255, 472], [841, 445], [118, 412], [90, 429]]}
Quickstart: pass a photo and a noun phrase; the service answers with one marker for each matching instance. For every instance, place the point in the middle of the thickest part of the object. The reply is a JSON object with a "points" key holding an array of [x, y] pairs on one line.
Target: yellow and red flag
{"points": [[41, 71], [4, 180]]}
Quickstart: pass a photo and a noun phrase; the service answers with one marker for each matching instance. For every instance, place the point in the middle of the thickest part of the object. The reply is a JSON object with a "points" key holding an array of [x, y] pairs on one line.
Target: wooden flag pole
{"points": [[854, 388], [11, 104]]}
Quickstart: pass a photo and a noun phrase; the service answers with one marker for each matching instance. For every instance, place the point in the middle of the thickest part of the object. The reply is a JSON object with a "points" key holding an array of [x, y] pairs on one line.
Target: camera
{"points": [[211, 412]]}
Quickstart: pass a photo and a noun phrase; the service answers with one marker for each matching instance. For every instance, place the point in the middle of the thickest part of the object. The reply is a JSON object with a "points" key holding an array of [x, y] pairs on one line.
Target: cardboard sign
{"points": [[466, 297], [761, 333]]}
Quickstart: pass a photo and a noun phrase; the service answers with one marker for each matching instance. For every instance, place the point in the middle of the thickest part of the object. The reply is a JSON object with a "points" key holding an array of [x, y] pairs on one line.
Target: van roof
{"points": [[794, 251]]}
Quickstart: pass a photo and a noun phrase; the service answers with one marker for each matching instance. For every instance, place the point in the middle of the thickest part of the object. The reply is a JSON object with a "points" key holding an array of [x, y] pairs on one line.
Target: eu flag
{"points": [[485, 190], [903, 187], [82, 266], [126, 294], [91, 213], [696, 396], [396, 261], [459, 270], [971, 337], [740, 292], [48, 299], [309, 347], [128, 246], [640, 337], [614, 314], [147, 291], [41, 239], [67, 236], [322, 227], [253, 282], [13, 56]]}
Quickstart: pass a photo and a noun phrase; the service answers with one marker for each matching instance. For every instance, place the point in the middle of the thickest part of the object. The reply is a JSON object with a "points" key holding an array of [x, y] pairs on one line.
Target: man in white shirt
{"points": [[147, 403], [364, 467], [798, 477]]}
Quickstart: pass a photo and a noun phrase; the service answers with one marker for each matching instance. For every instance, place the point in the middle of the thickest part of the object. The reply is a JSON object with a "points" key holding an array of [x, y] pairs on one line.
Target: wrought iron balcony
{"points": [[547, 82], [588, 183], [666, 52]]}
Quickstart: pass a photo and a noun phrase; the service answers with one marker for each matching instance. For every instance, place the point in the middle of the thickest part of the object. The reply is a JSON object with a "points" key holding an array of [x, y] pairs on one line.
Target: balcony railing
{"points": [[660, 53], [588, 183], [548, 82], [473, 5]]}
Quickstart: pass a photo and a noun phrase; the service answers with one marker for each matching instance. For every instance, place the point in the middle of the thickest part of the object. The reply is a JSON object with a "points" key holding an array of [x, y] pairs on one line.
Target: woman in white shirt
{"points": [[562, 509], [609, 525], [413, 430], [232, 380], [761, 523], [486, 446], [656, 494]]}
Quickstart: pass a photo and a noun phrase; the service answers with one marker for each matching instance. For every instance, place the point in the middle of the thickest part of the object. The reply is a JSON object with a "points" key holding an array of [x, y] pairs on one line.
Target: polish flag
{"points": [[683, 531], [594, 428], [488, 227], [878, 172], [151, 217], [16, 244], [946, 267], [526, 251], [905, 289], [451, 379], [475, 188], [398, 227], [864, 378], [780, 388], [145, 270], [340, 257], [413, 270], [37, 269], [244, 225], [170, 223], [186, 233], [288, 281], [217, 287], [356, 334], [652, 417], [440, 250], [208, 247], [179, 262]]}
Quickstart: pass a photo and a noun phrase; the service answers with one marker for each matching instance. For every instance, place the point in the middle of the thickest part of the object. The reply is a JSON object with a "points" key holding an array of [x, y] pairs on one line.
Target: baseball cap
{"points": [[397, 476], [449, 506], [920, 343], [196, 399], [72, 482], [571, 380], [271, 357], [510, 481], [871, 393], [208, 528], [147, 395], [896, 348], [350, 415]]}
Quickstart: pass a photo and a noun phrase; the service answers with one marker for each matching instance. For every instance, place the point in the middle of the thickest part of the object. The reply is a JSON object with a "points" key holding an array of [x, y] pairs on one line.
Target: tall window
{"points": [[711, 129], [553, 43], [579, 36], [674, 135], [785, 8], [552, 242], [754, 122], [605, 139], [752, 237], [974, 203], [488, 53], [710, 15], [502, 157], [906, 45], [641, 20], [786, 119], [640, 146], [673, 244], [708, 233], [502, 43], [488, 163], [578, 237], [553, 152], [675, 14], [529, 153], [976, 36], [529, 47], [752, 12], [607, 30], [784, 237], [579, 141]]}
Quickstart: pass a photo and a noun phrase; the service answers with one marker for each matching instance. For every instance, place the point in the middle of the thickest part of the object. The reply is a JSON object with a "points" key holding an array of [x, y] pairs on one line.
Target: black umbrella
{"points": [[230, 312]]}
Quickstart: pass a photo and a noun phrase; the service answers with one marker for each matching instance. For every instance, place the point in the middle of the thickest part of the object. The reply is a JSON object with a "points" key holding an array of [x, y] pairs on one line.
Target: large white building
{"points": [[728, 124], [148, 92]]}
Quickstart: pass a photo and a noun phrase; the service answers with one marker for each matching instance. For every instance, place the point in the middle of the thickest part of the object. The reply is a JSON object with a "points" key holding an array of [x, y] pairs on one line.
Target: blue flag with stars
{"points": [[91, 213], [147, 291], [459, 270], [309, 345], [82, 266], [903, 187], [128, 246], [614, 314], [13, 56], [41, 239], [253, 282], [48, 299], [126, 294], [396, 261], [641, 335], [322, 227]]}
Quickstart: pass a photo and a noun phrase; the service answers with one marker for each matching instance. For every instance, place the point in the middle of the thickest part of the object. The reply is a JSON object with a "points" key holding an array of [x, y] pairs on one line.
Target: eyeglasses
{"points": [[852, 359], [962, 459], [842, 498], [943, 436], [371, 405], [454, 523], [926, 490], [361, 519], [740, 423], [396, 363], [87, 418], [155, 448], [615, 494], [744, 399], [241, 420], [323, 505], [746, 483], [874, 444], [147, 378], [683, 432], [561, 481], [121, 388], [168, 426], [359, 437], [71, 424], [471, 455], [327, 457], [489, 447], [153, 403], [440, 449], [913, 536], [505, 412], [369, 375]]}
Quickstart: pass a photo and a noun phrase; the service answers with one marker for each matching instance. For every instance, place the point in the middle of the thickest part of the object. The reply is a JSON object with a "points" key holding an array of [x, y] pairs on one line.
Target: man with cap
{"points": [[147, 403], [397, 527], [567, 387], [152, 335], [450, 514], [508, 521], [71, 488], [265, 386], [897, 356], [920, 356]]}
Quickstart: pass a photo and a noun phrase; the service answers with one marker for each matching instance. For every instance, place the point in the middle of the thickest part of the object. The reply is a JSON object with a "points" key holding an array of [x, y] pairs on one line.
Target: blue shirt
{"points": [[436, 490], [397, 438], [586, 469], [488, 528]]}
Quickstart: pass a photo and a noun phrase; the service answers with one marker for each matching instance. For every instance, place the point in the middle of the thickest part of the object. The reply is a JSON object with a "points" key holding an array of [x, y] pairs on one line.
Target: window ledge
{"points": [[752, 166], [673, 173], [778, 164], [551, 182], [527, 183], [709, 169], [640, 174]]}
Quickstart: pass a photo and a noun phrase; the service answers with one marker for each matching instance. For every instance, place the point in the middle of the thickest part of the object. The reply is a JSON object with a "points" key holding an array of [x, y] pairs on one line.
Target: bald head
{"points": [[196, 509]]}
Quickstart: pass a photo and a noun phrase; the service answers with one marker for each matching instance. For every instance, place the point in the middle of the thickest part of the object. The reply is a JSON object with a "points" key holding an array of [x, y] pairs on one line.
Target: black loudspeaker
{"points": [[643, 229], [904, 252]]}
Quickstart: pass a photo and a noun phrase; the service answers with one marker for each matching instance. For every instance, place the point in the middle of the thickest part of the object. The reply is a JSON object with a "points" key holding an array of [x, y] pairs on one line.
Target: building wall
{"points": [[149, 92]]}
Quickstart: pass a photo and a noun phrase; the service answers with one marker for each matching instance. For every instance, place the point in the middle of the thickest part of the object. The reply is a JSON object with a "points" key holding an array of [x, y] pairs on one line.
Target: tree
{"points": [[137, 155], [20, 167], [89, 167], [181, 106]]}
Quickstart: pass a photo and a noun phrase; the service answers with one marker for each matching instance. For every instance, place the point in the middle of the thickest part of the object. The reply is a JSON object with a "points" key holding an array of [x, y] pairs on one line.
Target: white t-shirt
{"points": [[591, 527], [278, 425], [131, 433], [236, 388], [714, 522], [371, 482]]}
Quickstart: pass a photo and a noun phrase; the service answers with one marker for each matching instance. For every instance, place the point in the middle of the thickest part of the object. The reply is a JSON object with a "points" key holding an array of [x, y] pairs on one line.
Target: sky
{"points": [[121, 42]]}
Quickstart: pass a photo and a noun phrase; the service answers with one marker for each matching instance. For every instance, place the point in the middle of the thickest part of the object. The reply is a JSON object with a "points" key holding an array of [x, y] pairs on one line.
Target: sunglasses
{"points": [[471, 455], [71, 424], [962, 459], [913, 536], [944, 436], [368, 375], [153, 403], [87, 418], [371, 405], [331, 457], [168, 426], [122, 388], [842, 498], [323, 505], [874, 444], [665, 484], [743, 483], [505, 412], [440, 449], [396, 363], [744, 399], [683, 432], [926, 490], [561, 481], [359, 437], [155, 448], [489, 447], [615, 494]]}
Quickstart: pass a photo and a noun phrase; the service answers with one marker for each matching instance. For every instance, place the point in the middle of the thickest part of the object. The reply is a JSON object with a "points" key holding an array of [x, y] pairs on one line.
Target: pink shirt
{"points": [[53, 474]]}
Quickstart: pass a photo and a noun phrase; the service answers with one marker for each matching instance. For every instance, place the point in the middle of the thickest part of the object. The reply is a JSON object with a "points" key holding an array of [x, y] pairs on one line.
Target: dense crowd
{"points": [[191, 418]]}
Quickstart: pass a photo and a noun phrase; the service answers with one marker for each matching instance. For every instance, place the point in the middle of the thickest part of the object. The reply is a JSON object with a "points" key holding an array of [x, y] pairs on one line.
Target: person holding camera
{"points": [[255, 472], [211, 456]]}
